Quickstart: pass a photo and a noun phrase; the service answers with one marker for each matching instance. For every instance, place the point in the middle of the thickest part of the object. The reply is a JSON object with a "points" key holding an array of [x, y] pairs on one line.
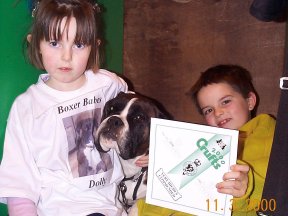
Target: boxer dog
{"points": [[125, 127]]}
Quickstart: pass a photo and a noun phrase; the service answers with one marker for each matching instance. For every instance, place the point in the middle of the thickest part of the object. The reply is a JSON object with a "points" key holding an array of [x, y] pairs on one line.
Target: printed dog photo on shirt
{"points": [[84, 159]]}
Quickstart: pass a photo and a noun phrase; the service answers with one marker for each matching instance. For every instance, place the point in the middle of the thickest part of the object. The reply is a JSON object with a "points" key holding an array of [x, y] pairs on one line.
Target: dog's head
{"points": [[125, 125]]}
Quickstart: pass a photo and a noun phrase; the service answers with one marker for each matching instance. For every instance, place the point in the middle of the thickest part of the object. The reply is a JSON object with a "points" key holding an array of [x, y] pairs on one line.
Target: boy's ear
{"points": [[251, 100], [29, 38]]}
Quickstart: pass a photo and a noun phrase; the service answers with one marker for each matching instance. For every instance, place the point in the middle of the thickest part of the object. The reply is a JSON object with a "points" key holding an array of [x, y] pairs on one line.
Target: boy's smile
{"points": [[224, 107]]}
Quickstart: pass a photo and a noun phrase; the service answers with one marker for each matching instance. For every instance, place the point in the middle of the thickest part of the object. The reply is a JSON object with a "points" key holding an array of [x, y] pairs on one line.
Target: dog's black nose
{"points": [[115, 121]]}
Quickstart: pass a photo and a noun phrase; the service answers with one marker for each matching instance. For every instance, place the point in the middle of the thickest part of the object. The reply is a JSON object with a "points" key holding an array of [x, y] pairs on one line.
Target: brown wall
{"points": [[167, 44]]}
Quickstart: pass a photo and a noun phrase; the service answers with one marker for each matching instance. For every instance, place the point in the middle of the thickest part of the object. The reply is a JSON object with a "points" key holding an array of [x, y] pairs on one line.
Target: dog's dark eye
{"points": [[138, 117]]}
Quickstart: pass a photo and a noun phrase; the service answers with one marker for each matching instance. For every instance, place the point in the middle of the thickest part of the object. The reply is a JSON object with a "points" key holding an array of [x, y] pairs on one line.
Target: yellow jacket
{"points": [[255, 151]]}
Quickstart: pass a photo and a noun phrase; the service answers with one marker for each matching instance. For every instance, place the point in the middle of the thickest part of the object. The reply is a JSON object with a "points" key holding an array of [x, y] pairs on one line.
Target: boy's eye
{"points": [[226, 101], [207, 111]]}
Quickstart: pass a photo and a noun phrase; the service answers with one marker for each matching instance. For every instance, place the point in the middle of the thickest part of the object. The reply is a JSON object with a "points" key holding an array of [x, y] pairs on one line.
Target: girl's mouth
{"points": [[65, 69]]}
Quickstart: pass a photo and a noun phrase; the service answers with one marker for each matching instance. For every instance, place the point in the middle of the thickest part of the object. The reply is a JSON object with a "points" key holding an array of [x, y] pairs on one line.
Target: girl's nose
{"points": [[67, 54]]}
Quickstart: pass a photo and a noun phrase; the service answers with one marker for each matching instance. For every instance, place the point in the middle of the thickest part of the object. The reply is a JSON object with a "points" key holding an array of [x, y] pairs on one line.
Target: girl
{"points": [[50, 165]]}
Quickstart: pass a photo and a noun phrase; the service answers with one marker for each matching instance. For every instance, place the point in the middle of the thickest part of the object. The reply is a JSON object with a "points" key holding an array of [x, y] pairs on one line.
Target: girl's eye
{"points": [[54, 43], [79, 45]]}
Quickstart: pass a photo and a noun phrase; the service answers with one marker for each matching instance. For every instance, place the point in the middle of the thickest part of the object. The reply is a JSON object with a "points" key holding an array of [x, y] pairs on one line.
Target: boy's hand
{"points": [[235, 182], [143, 161]]}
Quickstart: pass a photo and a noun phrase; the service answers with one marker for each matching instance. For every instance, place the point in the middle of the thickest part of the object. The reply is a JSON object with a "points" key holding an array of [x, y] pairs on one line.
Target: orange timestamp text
{"points": [[250, 205]]}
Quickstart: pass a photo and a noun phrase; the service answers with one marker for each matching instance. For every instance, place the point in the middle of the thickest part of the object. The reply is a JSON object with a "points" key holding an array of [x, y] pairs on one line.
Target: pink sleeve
{"points": [[21, 206]]}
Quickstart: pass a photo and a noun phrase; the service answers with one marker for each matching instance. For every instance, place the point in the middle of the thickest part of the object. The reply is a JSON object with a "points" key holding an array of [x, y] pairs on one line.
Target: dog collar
{"points": [[123, 188]]}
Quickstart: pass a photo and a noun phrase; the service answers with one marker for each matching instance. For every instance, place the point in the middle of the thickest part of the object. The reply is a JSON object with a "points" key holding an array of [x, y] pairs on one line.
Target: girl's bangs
{"points": [[86, 29], [84, 32], [53, 31]]}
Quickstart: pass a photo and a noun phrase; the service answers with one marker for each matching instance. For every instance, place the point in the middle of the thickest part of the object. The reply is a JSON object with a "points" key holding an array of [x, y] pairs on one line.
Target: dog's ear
{"points": [[161, 112], [163, 115], [105, 111], [120, 94]]}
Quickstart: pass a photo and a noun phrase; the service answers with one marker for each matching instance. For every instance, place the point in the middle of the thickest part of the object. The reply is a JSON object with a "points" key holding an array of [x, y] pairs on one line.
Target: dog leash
{"points": [[274, 199], [123, 188]]}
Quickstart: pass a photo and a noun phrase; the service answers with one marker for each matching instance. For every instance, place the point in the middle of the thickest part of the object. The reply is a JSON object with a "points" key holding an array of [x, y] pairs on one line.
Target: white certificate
{"points": [[186, 161]]}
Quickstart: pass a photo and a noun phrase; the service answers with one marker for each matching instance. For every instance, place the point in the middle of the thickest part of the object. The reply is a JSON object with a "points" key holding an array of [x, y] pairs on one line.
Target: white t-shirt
{"points": [[49, 156]]}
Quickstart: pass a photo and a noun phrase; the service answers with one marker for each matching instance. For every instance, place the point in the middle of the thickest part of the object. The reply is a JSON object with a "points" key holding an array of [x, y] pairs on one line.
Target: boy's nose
{"points": [[218, 112]]}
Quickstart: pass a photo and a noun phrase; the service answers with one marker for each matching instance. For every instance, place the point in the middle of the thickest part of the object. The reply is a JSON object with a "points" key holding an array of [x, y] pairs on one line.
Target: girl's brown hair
{"points": [[47, 19]]}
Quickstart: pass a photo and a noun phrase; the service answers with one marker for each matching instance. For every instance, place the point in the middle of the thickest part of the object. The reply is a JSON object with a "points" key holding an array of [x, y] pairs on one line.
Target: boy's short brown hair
{"points": [[236, 76]]}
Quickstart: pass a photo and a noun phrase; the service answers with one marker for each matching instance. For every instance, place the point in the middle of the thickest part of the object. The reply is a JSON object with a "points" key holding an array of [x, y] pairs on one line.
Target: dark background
{"points": [[167, 44]]}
